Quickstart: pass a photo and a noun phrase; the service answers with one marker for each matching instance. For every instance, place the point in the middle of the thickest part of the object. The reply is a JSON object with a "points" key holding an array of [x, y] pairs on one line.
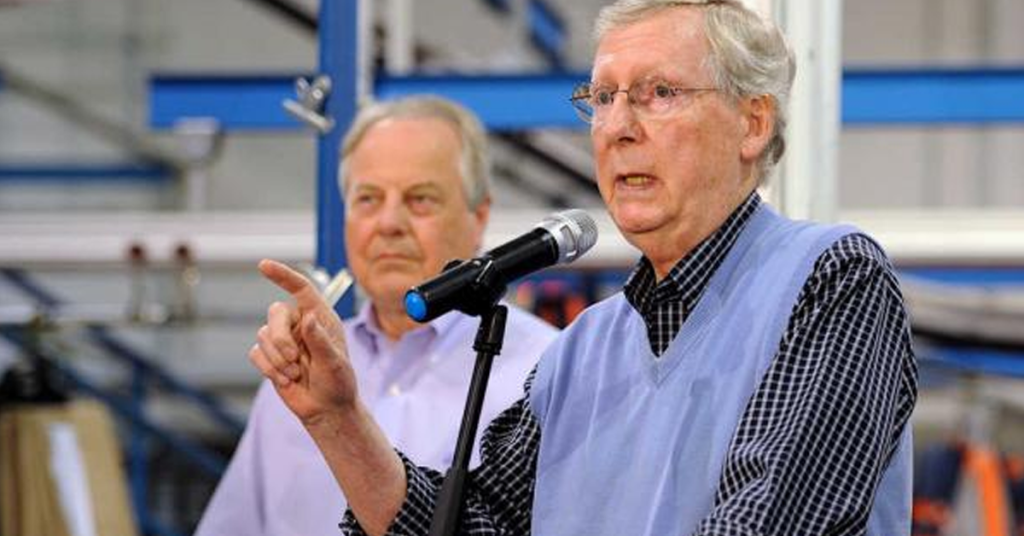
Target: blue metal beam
{"points": [[503, 102], [243, 102], [897, 97], [81, 172], [977, 360], [932, 96], [339, 32], [1007, 276]]}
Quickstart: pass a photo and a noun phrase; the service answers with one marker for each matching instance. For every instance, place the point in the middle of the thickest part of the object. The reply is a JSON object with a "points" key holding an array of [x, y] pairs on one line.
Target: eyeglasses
{"points": [[650, 98]]}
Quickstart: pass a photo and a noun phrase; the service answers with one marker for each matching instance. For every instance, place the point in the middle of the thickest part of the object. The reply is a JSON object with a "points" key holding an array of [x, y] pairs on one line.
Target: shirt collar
{"points": [[687, 280], [365, 325]]}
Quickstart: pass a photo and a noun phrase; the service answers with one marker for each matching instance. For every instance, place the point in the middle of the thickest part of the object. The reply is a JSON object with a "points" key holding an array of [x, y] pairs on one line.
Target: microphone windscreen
{"points": [[574, 231]]}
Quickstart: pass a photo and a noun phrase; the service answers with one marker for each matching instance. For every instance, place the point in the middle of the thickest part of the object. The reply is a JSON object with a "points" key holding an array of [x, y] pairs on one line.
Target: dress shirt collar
{"points": [[365, 326]]}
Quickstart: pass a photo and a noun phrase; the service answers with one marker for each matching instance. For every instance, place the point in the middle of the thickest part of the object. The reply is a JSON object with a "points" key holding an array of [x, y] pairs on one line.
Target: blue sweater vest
{"points": [[634, 444]]}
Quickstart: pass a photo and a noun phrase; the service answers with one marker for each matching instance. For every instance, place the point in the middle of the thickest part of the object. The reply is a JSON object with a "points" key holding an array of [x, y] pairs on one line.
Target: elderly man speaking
{"points": [[755, 375]]}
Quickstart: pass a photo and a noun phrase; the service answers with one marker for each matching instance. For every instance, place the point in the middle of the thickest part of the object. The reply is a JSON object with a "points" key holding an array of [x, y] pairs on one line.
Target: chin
{"points": [[636, 220], [392, 275], [395, 267], [398, 280], [391, 291]]}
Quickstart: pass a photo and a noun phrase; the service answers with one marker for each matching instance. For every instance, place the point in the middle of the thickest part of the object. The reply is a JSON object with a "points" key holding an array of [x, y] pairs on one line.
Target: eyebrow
{"points": [[423, 185], [354, 185], [429, 185]]}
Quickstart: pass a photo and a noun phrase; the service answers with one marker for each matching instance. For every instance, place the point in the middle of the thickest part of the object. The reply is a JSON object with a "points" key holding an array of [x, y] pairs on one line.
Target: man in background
{"points": [[414, 179]]}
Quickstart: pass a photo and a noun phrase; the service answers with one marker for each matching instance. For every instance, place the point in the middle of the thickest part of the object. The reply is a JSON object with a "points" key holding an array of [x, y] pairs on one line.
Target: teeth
{"points": [[636, 180]]}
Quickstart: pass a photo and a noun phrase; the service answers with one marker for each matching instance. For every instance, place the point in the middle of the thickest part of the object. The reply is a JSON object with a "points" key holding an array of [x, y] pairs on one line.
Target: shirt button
{"points": [[394, 390]]}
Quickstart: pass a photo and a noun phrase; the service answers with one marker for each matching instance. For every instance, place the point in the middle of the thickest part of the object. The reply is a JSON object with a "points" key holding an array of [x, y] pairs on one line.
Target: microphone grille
{"points": [[574, 231]]}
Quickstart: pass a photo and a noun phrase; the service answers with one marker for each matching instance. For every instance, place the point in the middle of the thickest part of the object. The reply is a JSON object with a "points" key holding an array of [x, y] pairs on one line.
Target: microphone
{"points": [[475, 285]]}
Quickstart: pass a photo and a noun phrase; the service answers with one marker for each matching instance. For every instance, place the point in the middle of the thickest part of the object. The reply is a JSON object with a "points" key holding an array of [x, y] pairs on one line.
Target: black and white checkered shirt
{"points": [[843, 382], [664, 306]]}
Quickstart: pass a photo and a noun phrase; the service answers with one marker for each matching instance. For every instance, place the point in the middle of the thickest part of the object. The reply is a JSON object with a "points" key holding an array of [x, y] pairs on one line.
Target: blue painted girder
{"points": [[517, 102]]}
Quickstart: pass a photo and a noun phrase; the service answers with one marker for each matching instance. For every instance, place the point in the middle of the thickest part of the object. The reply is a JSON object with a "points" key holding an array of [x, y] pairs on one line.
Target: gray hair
{"points": [[474, 164], [748, 56]]}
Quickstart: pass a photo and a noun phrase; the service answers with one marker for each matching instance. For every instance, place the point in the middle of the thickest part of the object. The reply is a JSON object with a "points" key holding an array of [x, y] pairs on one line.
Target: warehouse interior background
{"points": [[129, 230]]}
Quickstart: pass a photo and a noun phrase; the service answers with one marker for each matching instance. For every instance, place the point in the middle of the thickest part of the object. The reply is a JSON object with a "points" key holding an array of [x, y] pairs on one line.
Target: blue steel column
{"points": [[338, 59]]}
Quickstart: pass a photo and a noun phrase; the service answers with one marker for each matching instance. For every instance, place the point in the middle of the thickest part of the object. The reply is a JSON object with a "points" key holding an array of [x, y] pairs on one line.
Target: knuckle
{"points": [[280, 341], [264, 340], [277, 307]]}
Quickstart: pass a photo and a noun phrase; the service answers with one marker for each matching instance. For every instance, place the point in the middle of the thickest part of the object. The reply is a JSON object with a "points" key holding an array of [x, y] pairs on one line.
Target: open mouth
{"points": [[634, 180]]}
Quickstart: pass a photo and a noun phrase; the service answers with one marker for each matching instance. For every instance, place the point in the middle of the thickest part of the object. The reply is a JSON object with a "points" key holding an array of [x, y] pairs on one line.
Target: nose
{"points": [[393, 218], [619, 124]]}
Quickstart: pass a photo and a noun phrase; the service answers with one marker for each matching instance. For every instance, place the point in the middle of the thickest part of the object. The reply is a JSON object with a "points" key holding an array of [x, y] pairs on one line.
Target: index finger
{"points": [[294, 283]]}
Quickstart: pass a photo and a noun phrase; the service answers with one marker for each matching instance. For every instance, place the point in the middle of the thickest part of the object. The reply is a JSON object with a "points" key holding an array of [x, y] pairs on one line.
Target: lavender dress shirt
{"points": [[277, 484]]}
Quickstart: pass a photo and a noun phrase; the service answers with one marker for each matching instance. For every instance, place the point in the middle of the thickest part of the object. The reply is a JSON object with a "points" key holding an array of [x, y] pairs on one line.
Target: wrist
{"points": [[342, 421]]}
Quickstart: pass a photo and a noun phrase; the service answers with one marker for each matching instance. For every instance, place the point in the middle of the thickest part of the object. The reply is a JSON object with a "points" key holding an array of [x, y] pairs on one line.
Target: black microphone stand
{"points": [[489, 337]]}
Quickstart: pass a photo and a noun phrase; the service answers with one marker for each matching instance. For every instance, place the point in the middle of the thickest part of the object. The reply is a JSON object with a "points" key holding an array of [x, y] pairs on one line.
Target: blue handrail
{"points": [[546, 29], [209, 462], [213, 406]]}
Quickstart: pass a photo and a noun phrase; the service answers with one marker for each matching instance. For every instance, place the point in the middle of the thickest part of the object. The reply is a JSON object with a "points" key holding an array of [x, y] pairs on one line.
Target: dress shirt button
{"points": [[394, 390]]}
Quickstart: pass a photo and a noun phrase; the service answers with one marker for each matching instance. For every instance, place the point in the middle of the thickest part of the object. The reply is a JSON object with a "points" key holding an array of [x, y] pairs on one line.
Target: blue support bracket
{"points": [[873, 97], [339, 32], [547, 31], [546, 28]]}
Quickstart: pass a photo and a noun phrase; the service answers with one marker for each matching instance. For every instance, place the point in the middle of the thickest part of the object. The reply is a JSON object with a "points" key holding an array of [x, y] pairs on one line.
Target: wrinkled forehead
{"points": [[669, 42], [405, 150]]}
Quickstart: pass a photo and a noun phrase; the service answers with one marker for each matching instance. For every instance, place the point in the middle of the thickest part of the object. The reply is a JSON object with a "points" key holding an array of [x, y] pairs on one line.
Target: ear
{"points": [[481, 215], [759, 120]]}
